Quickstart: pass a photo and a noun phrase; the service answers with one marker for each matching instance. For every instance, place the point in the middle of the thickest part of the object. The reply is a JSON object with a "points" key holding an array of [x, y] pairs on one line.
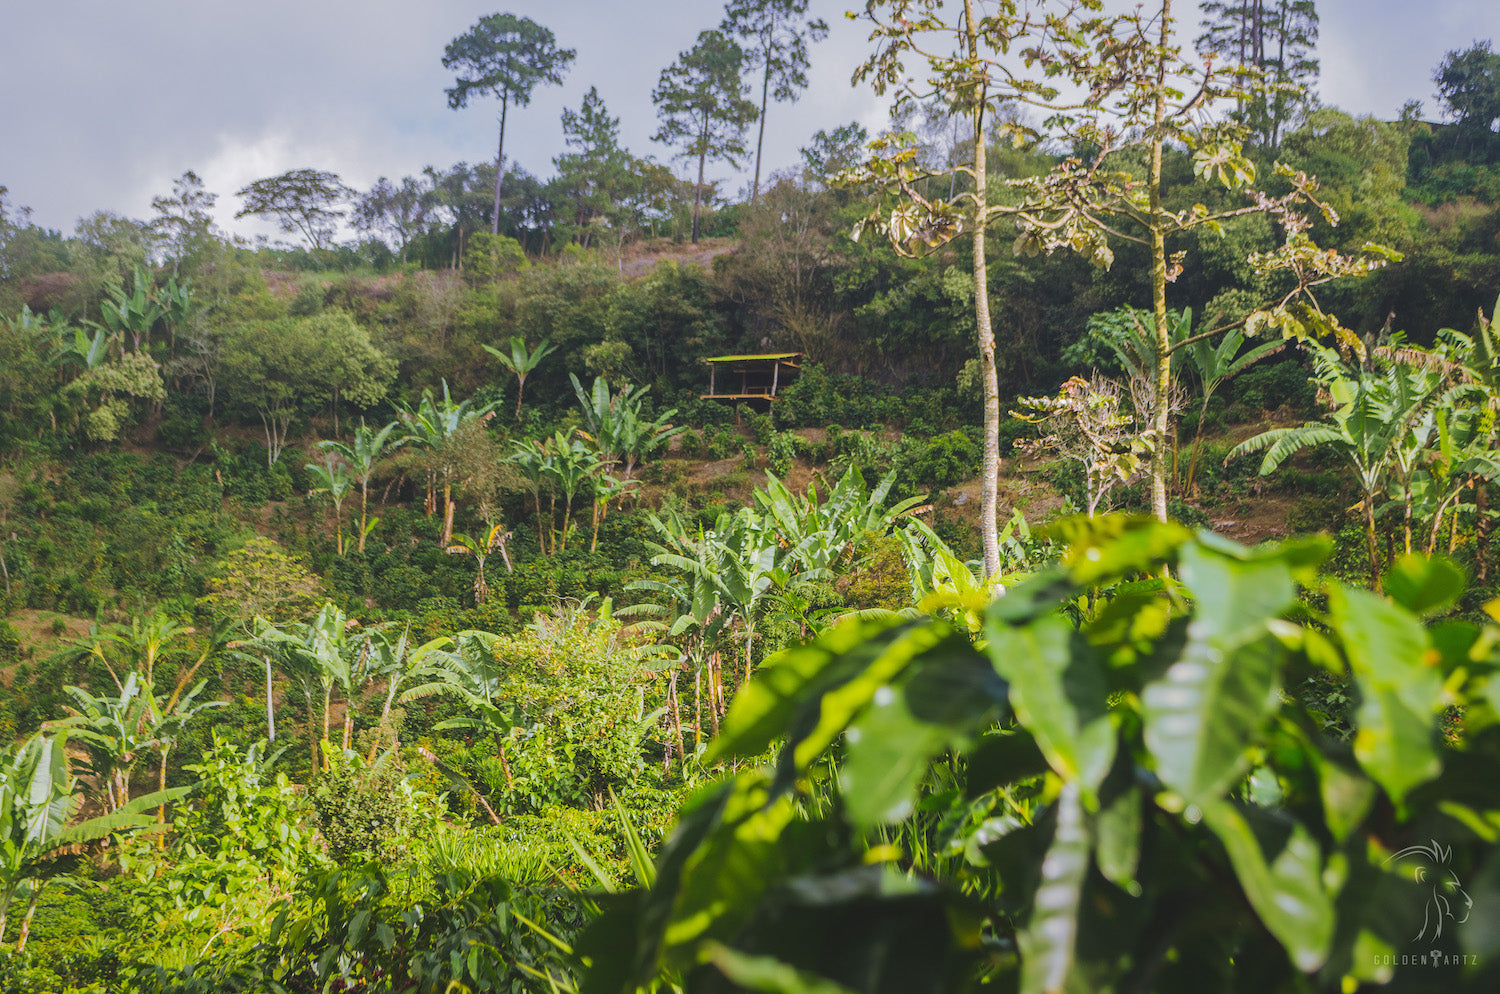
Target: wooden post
{"points": [[713, 368], [775, 376]]}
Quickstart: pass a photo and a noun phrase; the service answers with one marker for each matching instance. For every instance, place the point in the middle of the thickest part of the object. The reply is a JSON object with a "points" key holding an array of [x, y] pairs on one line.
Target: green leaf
{"points": [[766, 973], [732, 867], [813, 692], [946, 700], [1000, 759], [1400, 689], [1118, 827], [1049, 941], [1424, 586], [1346, 795], [1058, 691], [1212, 701], [1287, 893], [1112, 545]]}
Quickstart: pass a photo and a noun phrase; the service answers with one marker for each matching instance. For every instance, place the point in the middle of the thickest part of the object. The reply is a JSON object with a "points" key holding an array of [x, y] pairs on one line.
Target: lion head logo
{"points": [[1447, 900]]}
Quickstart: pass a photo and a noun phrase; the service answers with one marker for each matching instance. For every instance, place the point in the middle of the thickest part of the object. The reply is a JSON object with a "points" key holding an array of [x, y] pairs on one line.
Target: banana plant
{"points": [[38, 798], [480, 550], [394, 660], [317, 656], [335, 478], [614, 424], [1380, 423], [435, 426], [465, 667], [572, 465], [521, 362], [825, 533], [362, 456], [1214, 364], [132, 314], [116, 731], [530, 459], [606, 489]]}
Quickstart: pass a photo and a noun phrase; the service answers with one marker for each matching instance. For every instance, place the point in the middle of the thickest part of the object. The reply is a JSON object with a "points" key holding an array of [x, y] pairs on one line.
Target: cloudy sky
{"points": [[106, 101]]}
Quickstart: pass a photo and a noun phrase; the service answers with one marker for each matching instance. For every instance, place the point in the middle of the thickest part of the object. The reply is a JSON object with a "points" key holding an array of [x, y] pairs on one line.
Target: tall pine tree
{"points": [[1273, 41]]}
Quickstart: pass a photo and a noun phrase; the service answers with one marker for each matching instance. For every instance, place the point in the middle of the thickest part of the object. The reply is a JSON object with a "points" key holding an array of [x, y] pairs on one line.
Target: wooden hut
{"points": [[750, 377]]}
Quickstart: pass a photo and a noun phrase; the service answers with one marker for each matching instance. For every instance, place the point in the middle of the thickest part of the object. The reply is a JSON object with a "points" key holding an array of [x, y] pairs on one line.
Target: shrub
{"points": [[362, 811]]}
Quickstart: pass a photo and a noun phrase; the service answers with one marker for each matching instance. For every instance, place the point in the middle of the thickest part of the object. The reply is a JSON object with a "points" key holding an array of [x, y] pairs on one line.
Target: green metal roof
{"points": [[737, 358]]}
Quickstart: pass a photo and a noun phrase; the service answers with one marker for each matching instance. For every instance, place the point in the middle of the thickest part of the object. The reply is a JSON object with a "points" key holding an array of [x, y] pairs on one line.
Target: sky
{"points": [[107, 101]]}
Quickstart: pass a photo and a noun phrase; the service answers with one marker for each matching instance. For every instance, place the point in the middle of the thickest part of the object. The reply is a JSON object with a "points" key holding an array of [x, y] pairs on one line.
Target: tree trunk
{"points": [[270, 703], [161, 784], [323, 740], [312, 742], [760, 137], [698, 192], [989, 510], [499, 166], [364, 502], [36, 894], [1370, 538], [1482, 527], [1161, 416], [447, 513]]}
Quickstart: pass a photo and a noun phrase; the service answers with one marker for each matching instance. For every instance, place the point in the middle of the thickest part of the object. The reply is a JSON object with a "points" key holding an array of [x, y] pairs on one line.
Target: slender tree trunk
{"points": [[1482, 527], [698, 192], [270, 703], [364, 502], [447, 512], [541, 529], [312, 743], [1160, 417], [760, 137], [676, 715], [1406, 500], [36, 894], [161, 783], [697, 706], [1192, 473], [989, 525], [499, 166], [749, 643], [1370, 538], [327, 706]]}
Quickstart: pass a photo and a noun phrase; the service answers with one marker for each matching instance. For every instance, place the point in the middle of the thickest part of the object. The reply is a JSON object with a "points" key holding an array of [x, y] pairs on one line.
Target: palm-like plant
{"points": [[740, 560], [393, 659], [1381, 420], [436, 426], [1214, 365], [465, 667], [480, 550], [606, 489], [131, 314], [615, 425], [317, 656], [38, 797], [115, 731], [521, 362], [362, 456], [335, 479], [172, 718], [530, 458], [571, 465]]}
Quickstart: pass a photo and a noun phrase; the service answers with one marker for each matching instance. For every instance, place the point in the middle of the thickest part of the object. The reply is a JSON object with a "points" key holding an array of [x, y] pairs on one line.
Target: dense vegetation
{"points": [[371, 608]]}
